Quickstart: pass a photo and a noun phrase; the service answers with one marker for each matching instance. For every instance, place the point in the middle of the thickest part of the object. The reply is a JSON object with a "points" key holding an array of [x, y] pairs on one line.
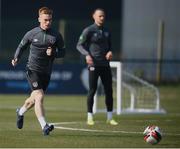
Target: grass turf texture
{"points": [[73, 109]]}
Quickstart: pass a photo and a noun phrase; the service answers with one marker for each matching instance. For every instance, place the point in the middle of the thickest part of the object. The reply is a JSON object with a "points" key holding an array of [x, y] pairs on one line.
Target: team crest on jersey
{"points": [[35, 84], [52, 41]]}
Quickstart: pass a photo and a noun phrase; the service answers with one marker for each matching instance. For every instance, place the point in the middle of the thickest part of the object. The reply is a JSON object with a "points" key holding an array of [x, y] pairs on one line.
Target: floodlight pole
{"points": [[160, 50]]}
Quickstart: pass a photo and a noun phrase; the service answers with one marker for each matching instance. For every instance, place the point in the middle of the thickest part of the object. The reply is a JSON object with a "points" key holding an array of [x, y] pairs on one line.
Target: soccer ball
{"points": [[152, 135]]}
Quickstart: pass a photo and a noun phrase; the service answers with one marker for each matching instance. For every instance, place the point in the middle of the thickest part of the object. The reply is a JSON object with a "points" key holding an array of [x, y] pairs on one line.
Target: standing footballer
{"points": [[95, 44], [45, 45]]}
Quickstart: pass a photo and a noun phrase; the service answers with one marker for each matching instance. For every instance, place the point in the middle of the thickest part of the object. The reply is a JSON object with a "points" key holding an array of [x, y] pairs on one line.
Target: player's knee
{"points": [[30, 100], [38, 96]]}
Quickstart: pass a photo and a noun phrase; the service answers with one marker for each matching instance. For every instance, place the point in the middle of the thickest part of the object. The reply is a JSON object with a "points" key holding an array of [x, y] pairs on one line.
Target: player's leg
{"points": [[93, 77], [29, 103], [39, 106], [36, 99], [38, 83], [38, 95], [106, 78]]}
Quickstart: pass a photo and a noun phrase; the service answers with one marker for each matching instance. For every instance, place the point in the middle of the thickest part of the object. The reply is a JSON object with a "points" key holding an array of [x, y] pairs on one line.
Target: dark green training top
{"points": [[96, 42], [39, 40]]}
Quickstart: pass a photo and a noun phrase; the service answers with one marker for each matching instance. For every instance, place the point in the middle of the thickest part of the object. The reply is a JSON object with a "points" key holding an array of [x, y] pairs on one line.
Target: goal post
{"points": [[131, 94], [118, 67]]}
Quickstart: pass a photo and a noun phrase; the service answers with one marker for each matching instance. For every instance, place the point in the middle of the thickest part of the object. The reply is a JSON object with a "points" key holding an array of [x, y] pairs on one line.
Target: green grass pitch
{"points": [[70, 114]]}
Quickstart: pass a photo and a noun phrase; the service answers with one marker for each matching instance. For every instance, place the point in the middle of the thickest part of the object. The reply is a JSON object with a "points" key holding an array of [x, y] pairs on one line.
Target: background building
{"points": [[145, 34], [144, 24]]}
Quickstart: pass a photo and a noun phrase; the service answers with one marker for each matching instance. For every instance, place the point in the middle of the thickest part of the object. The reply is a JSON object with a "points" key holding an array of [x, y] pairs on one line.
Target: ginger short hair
{"points": [[45, 10]]}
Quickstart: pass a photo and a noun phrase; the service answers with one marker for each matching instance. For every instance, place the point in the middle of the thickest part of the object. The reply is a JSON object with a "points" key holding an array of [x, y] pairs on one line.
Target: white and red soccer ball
{"points": [[152, 135]]}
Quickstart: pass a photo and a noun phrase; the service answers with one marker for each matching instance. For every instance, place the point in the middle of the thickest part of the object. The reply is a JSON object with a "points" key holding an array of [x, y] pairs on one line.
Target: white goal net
{"points": [[131, 94]]}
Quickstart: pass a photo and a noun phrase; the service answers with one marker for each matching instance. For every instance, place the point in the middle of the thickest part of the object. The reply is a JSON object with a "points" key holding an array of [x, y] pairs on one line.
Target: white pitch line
{"points": [[87, 130], [78, 129], [59, 123], [94, 130], [104, 131]]}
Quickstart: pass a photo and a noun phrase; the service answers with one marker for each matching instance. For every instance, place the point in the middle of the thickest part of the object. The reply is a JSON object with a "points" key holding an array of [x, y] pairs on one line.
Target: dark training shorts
{"points": [[37, 80]]}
